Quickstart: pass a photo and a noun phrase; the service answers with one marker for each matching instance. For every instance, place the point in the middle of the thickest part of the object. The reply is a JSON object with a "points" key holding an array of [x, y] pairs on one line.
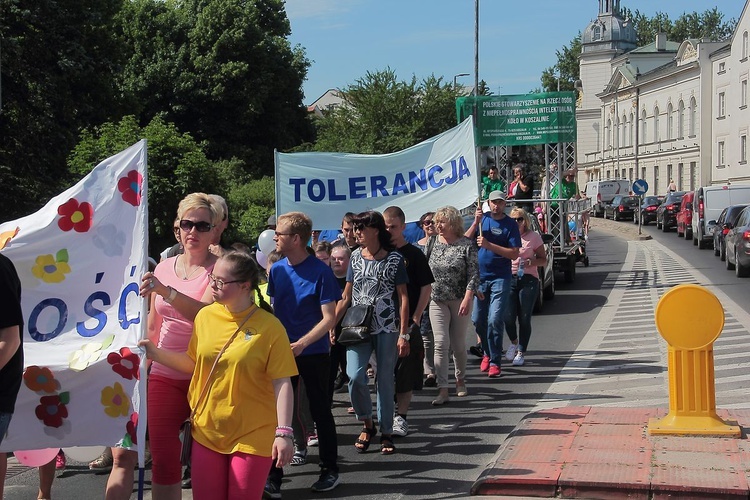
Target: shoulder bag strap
{"points": [[216, 361]]}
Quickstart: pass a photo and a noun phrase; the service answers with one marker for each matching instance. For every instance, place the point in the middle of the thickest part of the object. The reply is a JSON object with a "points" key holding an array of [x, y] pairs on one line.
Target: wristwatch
{"points": [[406, 337]]}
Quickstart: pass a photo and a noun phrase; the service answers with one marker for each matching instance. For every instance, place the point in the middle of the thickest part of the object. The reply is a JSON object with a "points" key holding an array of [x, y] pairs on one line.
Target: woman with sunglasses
{"points": [[427, 224], [241, 425], [180, 289], [524, 287], [454, 264], [375, 272]]}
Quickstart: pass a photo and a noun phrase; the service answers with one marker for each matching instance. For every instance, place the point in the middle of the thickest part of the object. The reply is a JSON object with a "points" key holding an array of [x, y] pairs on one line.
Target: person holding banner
{"points": [[242, 420], [11, 351], [499, 241], [180, 289], [376, 273]]}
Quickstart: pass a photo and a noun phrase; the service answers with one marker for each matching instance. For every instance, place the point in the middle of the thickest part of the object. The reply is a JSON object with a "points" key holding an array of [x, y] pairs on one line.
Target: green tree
{"points": [[59, 61], [566, 69], [176, 166], [382, 114], [222, 70]]}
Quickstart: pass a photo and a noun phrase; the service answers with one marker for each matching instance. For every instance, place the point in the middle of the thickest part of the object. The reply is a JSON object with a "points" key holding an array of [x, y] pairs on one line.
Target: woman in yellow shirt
{"points": [[242, 422]]}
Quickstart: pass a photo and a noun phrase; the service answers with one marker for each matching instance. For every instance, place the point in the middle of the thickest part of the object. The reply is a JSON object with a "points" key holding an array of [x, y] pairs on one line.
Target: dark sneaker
{"points": [[328, 480], [476, 350], [271, 490]]}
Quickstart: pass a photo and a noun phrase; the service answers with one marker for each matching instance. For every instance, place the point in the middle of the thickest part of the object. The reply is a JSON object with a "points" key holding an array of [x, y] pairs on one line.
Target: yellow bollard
{"points": [[690, 318]]}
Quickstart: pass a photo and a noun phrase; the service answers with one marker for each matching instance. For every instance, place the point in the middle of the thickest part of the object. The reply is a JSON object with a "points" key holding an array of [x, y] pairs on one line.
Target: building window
{"points": [[597, 33], [607, 136], [680, 172], [693, 117], [624, 140], [720, 154], [656, 124], [656, 178], [616, 134], [743, 148], [643, 127], [643, 173], [743, 93], [681, 120], [722, 105], [669, 171], [670, 121], [722, 68], [744, 45], [630, 130]]}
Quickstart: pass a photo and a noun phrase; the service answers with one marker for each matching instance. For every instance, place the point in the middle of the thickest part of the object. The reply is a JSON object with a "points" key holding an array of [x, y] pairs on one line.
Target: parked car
{"points": [[708, 203], [737, 242], [726, 221], [648, 210], [667, 211], [621, 208], [547, 271], [601, 193], [684, 217]]}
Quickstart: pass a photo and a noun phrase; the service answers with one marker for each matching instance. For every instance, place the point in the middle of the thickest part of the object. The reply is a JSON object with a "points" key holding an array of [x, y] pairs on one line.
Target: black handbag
{"points": [[356, 325], [186, 437]]}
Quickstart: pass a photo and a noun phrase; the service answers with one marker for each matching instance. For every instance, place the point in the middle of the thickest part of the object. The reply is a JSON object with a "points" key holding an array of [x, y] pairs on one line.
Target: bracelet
{"points": [[172, 295], [284, 436], [284, 428]]}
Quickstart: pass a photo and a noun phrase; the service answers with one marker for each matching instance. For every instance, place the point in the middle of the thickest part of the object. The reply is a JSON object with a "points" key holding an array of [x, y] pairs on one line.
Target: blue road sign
{"points": [[640, 187]]}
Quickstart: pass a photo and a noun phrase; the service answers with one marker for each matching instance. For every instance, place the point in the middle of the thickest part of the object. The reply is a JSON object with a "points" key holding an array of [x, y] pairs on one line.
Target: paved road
{"points": [[595, 344]]}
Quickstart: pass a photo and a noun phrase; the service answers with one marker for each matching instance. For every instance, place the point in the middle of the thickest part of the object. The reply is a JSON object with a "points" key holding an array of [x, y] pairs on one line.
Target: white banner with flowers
{"points": [[80, 259]]}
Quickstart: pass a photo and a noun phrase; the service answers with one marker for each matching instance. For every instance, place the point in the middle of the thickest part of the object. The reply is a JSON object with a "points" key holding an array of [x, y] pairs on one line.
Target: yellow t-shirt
{"points": [[238, 412]]}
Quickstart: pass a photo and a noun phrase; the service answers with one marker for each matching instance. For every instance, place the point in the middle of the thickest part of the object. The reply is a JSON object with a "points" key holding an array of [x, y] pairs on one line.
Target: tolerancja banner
{"points": [[80, 260], [437, 172]]}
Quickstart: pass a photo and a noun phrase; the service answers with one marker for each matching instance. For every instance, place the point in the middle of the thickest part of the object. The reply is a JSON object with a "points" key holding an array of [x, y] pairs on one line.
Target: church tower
{"points": [[606, 37]]}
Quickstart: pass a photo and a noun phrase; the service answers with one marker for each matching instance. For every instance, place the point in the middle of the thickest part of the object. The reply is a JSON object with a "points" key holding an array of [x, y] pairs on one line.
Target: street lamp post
{"points": [[455, 78]]}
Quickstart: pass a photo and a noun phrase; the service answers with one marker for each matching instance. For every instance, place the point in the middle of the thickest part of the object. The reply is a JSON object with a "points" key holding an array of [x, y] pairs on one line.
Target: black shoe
{"points": [[476, 350], [187, 482], [340, 382], [272, 490], [430, 381]]}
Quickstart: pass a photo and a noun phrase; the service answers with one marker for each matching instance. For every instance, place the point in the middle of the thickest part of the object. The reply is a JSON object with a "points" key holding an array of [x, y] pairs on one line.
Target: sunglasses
{"points": [[519, 219], [427, 223], [359, 227], [200, 226]]}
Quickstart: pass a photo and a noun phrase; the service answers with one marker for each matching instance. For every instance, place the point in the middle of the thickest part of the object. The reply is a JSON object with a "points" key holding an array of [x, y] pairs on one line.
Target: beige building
{"points": [[668, 110]]}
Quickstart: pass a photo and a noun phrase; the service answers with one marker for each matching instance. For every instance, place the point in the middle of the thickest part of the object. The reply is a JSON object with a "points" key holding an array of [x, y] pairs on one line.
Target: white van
{"points": [[601, 193], [708, 203]]}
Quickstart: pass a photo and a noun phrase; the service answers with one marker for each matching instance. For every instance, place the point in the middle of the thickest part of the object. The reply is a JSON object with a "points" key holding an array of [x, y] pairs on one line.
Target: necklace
{"points": [[373, 255], [185, 275]]}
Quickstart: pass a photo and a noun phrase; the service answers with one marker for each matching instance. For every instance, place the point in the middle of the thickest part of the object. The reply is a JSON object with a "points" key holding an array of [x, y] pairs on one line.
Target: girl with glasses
{"points": [[427, 223], [524, 288]]}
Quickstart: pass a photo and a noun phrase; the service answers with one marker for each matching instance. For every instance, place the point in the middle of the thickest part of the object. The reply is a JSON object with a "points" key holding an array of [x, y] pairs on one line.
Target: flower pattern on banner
{"points": [[6, 236], [74, 215], [108, 239], [88, 354], [116, 403], [40, 379], [52, 269], [131, 427], [131, 186], [125, 363], [52, 409]]}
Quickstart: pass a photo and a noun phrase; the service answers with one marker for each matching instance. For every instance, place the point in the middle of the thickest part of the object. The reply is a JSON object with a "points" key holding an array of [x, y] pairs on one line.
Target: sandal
{"points": [[361, 445], [386, 445]]}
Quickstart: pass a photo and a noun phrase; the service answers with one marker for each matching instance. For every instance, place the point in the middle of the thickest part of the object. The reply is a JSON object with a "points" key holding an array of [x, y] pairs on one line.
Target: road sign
{"points": [[640, 187]]}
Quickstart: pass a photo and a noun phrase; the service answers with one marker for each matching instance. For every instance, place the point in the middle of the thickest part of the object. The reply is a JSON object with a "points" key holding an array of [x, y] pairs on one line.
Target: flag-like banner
{"points": [[437, 172], [80, 260]]}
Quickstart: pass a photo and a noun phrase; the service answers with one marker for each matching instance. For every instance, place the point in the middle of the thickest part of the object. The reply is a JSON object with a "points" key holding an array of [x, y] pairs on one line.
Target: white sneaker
{"points": [[510, 354], [400, 426], [518, 360]]}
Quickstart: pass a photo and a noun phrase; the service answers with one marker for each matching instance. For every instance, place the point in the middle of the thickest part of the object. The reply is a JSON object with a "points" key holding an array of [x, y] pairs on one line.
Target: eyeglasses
{"points": [[200, 226], [427, 223], [219, 283], [359, 227], [283, 234], [519, 219]]}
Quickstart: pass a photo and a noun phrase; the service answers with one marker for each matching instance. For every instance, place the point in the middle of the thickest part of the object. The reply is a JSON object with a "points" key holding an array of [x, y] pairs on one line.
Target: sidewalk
{"points": [[589, 452]]}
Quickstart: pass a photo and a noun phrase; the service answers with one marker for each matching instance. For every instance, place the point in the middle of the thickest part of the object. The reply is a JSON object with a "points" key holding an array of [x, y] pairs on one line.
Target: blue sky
{"points": [[345, 39]]}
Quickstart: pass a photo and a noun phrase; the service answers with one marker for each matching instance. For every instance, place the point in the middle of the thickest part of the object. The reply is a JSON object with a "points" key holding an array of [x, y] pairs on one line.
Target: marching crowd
{"points": [[252, 357]]}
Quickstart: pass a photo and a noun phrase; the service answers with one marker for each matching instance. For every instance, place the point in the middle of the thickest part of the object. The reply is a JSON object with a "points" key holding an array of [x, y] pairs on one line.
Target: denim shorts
{"points": [[4, 424]]}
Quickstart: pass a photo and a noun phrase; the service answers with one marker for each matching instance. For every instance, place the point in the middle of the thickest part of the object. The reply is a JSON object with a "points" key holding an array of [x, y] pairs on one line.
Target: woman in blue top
{"points": [[375, 271]]}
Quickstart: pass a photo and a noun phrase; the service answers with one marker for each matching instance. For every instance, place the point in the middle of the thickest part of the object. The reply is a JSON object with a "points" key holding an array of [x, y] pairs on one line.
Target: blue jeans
{"points": [[489, 315], [357, 357], [4, 424], [523, 294]]}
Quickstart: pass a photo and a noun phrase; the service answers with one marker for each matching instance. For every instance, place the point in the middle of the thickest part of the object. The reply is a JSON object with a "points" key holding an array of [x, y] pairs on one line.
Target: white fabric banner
{"points": [[80, 260], [437, 172]]}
